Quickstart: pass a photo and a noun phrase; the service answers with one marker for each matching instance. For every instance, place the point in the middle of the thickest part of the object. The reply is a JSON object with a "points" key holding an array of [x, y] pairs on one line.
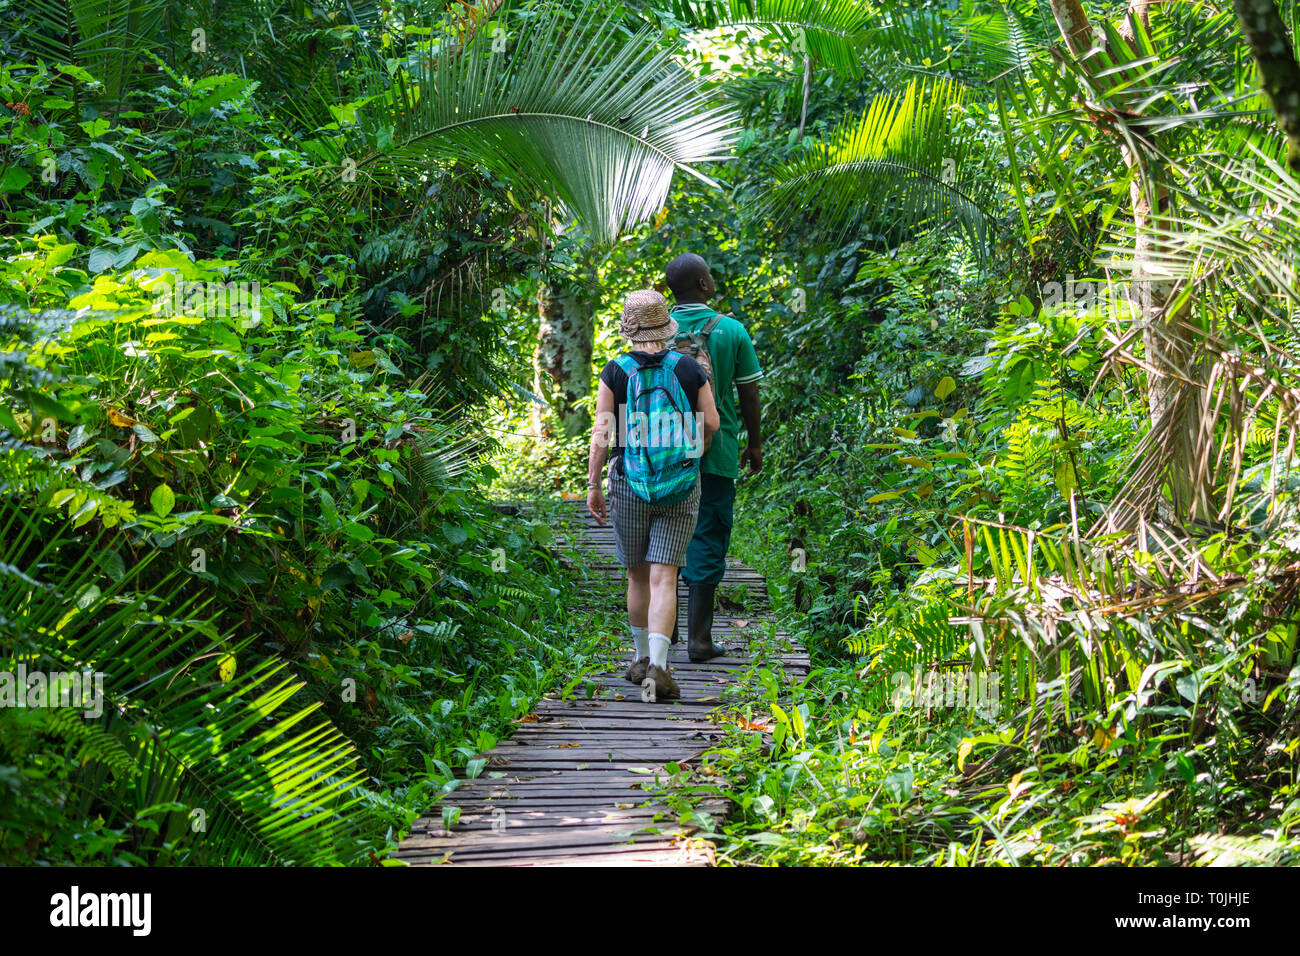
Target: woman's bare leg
{"points": [[663, 598], [638, 594]]}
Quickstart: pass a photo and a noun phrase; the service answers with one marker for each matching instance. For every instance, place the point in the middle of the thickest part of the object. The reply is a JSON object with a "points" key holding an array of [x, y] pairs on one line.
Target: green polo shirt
{"points": [[734, 363]]}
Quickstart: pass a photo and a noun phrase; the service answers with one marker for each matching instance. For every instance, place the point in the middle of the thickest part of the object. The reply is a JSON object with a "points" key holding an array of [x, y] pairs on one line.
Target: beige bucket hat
{"points": [[646, 318]]}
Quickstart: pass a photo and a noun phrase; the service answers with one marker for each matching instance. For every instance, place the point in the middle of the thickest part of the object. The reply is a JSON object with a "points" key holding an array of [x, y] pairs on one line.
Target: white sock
{"points": [[659, 650], [640, 642]]}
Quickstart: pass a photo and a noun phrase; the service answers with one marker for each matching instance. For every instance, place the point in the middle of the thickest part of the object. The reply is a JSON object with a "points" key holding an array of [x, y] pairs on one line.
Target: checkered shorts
{"points": [[644, 532]]}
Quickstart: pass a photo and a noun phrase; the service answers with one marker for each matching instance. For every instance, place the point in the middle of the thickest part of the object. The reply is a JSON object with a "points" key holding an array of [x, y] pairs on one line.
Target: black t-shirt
{"points": [[690, 374]]}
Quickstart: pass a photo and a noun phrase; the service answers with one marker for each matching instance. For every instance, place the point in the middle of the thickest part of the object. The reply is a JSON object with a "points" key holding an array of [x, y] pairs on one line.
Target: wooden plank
{"points": [[610, 793], [500, 843], [584, 743], [650, 765], [652, 734], [616, 726], [494, 820], [593, 752], [594, 856], [492, 817], [516, 822]]}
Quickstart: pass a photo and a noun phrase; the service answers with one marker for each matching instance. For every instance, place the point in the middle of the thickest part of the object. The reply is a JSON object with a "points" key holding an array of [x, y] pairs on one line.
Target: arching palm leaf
{"points": [[104, 37], [231, 774], [852, 37], [597, 119], [904, 162], [832, 32]]}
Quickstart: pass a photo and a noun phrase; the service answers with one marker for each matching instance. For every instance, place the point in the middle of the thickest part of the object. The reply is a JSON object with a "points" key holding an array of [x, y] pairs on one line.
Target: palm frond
{"points": [[903, 162], [1231, 850], [597, 119], [832, 32], [104, 37], [972, 45], [892, 44], [238, 774]]}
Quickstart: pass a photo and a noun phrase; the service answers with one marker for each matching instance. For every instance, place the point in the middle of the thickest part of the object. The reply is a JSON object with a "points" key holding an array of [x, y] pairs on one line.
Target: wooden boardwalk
{"points": [[568, 787]]}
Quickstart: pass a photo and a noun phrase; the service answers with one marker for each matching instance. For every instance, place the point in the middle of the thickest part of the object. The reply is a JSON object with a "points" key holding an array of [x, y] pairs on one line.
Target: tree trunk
{"points": [[1278, 70], [1169, 344], [807, 88], [562, 362], [1074, 25]]}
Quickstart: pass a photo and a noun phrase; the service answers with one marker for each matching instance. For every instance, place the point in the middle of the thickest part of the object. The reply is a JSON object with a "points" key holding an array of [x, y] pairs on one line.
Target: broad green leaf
{"points": [[226, 668], [357, 531], [162, 500], [14, 180], [45, 406], [101, 259], [1065, 482]]}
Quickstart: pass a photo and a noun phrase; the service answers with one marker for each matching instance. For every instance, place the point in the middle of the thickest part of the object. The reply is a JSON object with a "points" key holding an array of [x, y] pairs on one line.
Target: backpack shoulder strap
{"points": [[627, 363], [671, 359], [710, 326]]}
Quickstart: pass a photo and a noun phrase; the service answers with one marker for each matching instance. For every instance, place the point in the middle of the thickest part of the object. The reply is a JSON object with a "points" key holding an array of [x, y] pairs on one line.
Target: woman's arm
{"points": [[602, 433], [710, 420]]}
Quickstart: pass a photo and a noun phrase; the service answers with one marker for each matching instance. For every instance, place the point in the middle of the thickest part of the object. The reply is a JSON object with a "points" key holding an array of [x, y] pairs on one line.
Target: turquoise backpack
{"points": [[659, 459]]}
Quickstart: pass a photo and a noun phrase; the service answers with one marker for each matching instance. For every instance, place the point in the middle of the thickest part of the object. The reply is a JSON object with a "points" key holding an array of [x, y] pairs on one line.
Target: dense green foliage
{"points": [[947, 433], [241, 472], [267, 310]]}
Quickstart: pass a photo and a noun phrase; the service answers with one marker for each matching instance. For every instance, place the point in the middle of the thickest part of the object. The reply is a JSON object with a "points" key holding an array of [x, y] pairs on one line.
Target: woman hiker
{"points": [[650, 537]]}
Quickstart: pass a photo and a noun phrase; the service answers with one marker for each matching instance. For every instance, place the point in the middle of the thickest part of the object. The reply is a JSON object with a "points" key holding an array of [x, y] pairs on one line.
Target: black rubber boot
{"points": [[699, 624]]}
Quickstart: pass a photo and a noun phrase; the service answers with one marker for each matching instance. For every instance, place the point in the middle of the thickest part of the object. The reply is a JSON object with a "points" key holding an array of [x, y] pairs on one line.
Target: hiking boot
{"points": [[665, 687], [635, 673], [699, 624]]}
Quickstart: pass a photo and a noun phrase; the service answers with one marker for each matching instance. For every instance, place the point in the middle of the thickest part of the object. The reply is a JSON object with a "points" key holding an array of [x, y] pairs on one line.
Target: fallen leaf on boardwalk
{"points": [[582, 766], [529, 719], [740, 623], [499, 761], [619, 697], [565, 746], [703, 699]]}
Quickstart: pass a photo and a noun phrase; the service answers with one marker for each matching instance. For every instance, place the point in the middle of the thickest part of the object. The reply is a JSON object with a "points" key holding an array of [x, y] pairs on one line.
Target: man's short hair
{"points": [[684, 273]]}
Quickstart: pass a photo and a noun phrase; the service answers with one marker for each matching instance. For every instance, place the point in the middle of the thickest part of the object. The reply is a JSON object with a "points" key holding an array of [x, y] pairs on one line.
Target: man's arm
{"points": [[751, 411], [748, 372]]}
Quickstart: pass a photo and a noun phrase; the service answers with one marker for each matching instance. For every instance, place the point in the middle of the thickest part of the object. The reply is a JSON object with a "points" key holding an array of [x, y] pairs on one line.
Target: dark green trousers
{"points": [[706, 555]]}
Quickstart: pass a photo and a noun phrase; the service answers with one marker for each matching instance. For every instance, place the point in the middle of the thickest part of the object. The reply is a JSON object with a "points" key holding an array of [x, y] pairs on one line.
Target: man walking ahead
{"points": [[735, 375]]}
